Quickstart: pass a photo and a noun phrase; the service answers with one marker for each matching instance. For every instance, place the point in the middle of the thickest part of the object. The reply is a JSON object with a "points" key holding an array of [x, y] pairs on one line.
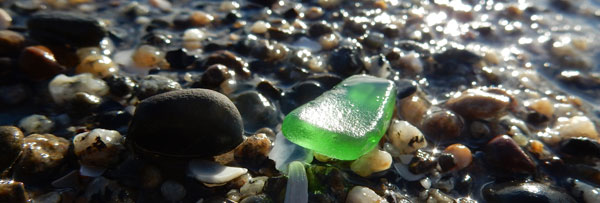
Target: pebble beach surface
{"points": [[299, 101]]}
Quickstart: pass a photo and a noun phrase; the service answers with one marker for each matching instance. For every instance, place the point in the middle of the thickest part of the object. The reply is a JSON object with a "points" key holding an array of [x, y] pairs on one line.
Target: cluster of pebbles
{"points": [[182, 101]]}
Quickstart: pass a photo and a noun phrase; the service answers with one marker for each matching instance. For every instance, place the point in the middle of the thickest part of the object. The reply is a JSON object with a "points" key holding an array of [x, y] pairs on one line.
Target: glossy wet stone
{"points": [[345, 122], [256, 110], [346, 61], [524, 192], [186, 123], [505, 154], [11, 140], [42, 155], [39, 63], [66, 28], [13, 191]]}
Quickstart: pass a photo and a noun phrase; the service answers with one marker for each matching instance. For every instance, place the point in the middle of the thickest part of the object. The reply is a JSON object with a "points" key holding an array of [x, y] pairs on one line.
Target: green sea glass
{"points": [[346, 121]]}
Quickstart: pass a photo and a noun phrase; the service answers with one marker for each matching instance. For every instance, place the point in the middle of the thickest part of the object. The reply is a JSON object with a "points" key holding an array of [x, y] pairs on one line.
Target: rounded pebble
{"points": [[36, 124], [186, 123], [405, 137], [476, 103], [360, 194], [64, 88], [99, 147], [98, 65], [42, 154], [39, 63], [11, 140], [462, 155], [372, 162], [155, 84]]}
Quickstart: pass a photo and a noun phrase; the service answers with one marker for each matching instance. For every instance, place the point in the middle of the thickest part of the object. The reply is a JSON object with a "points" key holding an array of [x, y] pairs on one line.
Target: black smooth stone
{"points": [[11, 141], [347, 61], [231, 17], [581, 147], [278, 34], [327, 81], [290, 14], [186, 123], [300, 93], [179, 59], [113, 119], [256, 110], [405, 88], [530, 192], [292, 73], [120, 85], [268, 89], [318, 29], [66, 28]]}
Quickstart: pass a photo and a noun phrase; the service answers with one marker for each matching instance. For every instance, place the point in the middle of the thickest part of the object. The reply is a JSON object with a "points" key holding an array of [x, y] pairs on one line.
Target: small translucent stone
{"points": [[345, 122]]}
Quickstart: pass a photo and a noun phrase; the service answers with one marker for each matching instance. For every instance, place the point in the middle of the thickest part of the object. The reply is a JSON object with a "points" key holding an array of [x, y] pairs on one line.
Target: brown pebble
{"points": [[38, 63], [13, 191], [442, 125], [413, 109], [10, 42], [214, 76], [230, 60], [462, 155], [476, 103], [254, 149], [199, 18], [506, 155], [42, 154], [11, 140]]}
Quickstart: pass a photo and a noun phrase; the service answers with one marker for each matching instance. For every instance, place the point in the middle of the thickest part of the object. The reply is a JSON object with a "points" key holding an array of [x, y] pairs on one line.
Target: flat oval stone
{"points": [[186, 123], [345, 122], [524, 192], [210, 172], [66, 28]]}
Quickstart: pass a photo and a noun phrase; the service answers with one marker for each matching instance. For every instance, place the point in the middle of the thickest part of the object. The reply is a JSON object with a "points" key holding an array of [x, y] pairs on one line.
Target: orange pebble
{"points": [[461, 153]]}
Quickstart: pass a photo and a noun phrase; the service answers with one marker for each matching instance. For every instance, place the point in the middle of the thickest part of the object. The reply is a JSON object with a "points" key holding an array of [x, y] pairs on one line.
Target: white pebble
{"points": [[425, 182], [577, 126], [213, 173], [5, 19], [328, 3], [63, 88], [99, 147], [163, 5], [227, 6], [259, 27], [36, 124], [360, 194], [372, 162], [192, 39], [406, 137]]}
